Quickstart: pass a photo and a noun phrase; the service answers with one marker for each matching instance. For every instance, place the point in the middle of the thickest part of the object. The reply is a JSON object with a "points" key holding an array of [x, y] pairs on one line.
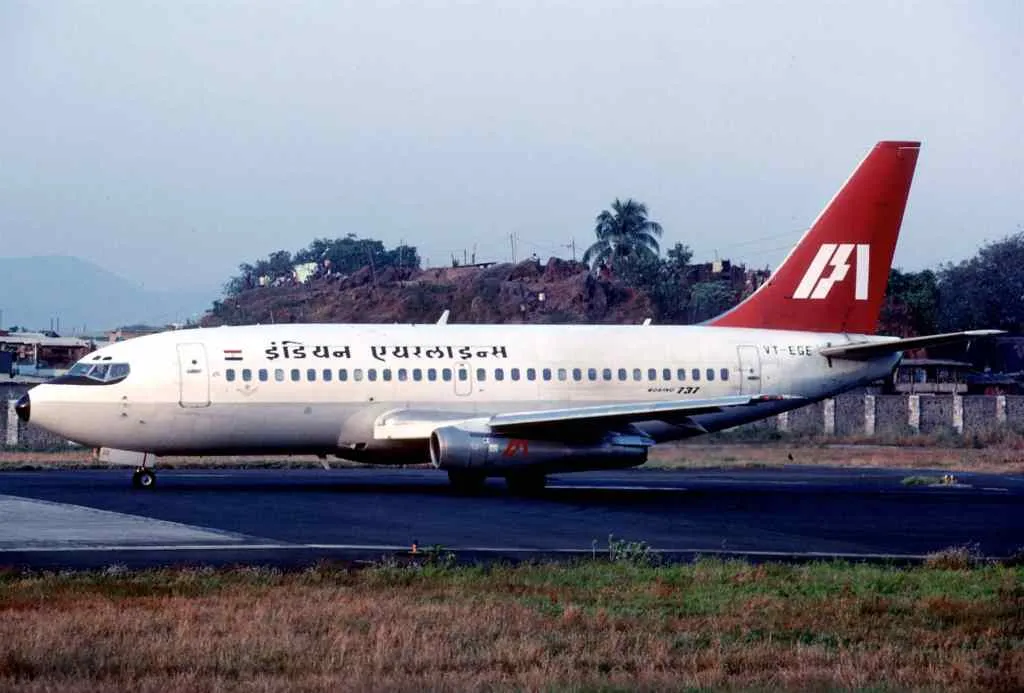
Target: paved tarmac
{"points": [[93, 518]]}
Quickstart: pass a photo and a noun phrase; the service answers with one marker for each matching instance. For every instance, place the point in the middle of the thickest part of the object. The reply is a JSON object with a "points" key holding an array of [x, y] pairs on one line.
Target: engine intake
{"points": [[456, 448]]}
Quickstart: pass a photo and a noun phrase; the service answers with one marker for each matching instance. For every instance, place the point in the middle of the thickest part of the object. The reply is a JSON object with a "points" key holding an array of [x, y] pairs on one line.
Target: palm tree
{"points": [[622, 232]]}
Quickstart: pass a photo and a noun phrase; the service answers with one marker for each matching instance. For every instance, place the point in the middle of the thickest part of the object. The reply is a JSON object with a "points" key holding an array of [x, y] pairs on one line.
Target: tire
{"points": [[466, 481], [526, 483], [144, 479]]}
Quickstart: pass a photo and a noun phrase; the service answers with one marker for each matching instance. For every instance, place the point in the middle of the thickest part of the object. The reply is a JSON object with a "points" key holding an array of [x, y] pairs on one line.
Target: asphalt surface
{"points": [[88, 519]]}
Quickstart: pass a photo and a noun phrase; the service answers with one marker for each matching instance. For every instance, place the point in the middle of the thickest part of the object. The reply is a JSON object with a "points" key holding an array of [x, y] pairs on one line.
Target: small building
{"points": [[931, 376], [39, 355]]}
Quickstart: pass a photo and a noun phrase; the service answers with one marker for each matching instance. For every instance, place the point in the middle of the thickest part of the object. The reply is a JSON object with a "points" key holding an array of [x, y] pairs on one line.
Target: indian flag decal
{"points": [[232, 354]]}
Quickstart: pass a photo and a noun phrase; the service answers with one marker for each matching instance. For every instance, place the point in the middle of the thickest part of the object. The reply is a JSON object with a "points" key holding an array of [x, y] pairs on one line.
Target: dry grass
{"points": [[593, 626]]}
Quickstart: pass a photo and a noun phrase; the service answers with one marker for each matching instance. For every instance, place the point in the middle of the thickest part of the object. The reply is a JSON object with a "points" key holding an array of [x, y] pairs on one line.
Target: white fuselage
{"points": [[325, 389]]}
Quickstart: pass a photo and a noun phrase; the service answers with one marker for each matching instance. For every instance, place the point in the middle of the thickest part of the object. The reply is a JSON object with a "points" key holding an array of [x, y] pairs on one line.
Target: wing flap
{"points": [[863, 351], [410, 424]]}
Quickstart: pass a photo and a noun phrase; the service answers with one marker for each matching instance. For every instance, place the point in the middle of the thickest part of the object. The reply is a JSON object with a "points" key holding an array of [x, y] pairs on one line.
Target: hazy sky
{"points": [[170, 141]]}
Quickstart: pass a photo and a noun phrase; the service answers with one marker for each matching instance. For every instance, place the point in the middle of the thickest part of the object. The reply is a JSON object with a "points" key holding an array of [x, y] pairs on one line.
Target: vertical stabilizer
{"points": [[834, 280]]}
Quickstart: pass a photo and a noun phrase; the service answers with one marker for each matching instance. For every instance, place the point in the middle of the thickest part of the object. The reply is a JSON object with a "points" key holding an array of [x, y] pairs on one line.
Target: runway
{"points": [[93, 518]]}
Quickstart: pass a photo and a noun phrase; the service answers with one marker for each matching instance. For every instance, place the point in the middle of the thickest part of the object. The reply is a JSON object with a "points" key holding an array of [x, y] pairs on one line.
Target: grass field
{"points": [[595, 625]]}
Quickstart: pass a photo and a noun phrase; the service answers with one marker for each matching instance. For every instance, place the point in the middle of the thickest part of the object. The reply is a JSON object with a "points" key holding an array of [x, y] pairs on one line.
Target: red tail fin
{"points": [[834, 279]]}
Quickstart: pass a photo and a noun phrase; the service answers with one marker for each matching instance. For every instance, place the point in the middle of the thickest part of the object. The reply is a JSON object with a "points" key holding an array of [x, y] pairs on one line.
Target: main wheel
{"points": [[144, 479], [466, 481], [526, 483]]}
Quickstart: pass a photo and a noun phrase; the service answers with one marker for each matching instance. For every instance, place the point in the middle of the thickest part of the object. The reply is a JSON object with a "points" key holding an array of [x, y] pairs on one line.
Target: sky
{"points": [[170, 141]]}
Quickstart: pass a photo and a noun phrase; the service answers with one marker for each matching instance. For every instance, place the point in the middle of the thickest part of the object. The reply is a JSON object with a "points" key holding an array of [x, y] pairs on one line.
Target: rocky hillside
{"points": [[558, 292]]}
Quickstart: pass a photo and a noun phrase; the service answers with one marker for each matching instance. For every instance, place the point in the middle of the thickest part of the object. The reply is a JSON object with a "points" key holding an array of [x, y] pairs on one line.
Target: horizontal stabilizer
{"points": [[862, 351]]}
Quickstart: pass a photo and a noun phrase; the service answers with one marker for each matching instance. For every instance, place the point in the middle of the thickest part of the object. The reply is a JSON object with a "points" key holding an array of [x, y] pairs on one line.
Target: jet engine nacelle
{"points": [[456, 448]]}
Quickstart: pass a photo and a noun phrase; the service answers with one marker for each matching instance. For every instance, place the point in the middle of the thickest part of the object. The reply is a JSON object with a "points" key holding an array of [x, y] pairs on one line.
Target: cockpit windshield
{"points": [[94, 373]]}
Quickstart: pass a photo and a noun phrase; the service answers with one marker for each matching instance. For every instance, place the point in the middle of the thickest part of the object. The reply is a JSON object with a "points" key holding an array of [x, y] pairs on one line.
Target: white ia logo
{"points": [[817, 285]]}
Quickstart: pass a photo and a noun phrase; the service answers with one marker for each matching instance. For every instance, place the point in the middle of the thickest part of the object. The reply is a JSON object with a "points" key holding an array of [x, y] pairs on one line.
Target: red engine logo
{"points": [[516, 446]]}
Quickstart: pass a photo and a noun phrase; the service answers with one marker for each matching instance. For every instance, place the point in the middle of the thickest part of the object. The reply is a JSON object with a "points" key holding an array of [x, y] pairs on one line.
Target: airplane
{"points": [[515, 401]]}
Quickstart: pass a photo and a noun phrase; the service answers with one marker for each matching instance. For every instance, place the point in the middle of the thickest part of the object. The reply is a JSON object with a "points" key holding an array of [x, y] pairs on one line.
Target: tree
{"points": [[708, 299], [623, 232], [985, 291], [911, 305]]}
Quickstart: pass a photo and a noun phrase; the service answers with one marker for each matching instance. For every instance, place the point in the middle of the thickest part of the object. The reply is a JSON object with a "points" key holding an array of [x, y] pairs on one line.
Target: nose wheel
{"points": [[144, 478]]}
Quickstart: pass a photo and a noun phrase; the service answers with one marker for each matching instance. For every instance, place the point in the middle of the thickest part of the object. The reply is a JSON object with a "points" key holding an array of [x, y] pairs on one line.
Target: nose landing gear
{"points": [[144, 478]]}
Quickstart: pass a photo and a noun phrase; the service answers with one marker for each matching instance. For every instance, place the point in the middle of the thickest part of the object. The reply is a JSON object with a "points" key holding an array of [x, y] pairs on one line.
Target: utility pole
{"points": [[572, 245]]}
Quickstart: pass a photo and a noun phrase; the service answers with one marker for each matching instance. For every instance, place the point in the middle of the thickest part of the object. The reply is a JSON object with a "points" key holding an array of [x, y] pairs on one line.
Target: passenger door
{"points": [[193, 377]]}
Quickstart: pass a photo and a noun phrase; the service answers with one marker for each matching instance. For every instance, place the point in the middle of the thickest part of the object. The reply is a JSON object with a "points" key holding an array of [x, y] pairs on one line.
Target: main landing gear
{"points": [[466, 481], [144, 478], [526, 483]]}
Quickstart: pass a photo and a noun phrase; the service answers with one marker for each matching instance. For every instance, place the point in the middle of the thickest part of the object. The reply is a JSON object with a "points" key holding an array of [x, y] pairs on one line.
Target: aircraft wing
{"points": [[418, 424], [863, 351]]}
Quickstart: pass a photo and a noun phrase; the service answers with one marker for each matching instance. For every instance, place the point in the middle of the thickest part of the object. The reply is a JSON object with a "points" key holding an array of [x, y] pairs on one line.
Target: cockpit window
{"points": [[93, 373]]}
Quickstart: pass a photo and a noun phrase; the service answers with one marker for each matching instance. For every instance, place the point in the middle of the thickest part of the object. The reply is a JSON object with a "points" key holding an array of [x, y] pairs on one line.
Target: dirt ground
{"points": [[997, 459]]}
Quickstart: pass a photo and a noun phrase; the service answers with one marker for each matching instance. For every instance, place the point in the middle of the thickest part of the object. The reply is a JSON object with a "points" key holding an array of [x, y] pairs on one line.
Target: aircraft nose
{"points": [[23, 407]]}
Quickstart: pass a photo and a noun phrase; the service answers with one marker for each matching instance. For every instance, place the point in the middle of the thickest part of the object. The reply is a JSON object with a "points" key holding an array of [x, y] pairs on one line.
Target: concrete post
{"points": [[914, 412], [828, 409], [12, 424], [958, 413], [783, 422], [869, 415], [1000, 410]]}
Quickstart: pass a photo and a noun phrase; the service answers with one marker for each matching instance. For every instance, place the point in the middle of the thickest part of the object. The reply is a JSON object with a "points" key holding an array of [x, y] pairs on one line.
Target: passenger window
{"points": [[328, 374], [357, 374], [563, 374], [417, 374], [296, 375], [230, 375], [711, 373], [607, 373], [446, 374], [681, 374], [371, 374], [514, 373], [695, 374], [531, 373], [666, 374], [499, 374], [652, 373], [463, 374], [637, 374], [386, 374], [311, 375], [246, 374], [343, 374], [724, 374], [481, 375], [577, 374], [546, 373], [403, 375], [279, 375], [431, 374], [592, 374], [623, 374], [263, 375]]}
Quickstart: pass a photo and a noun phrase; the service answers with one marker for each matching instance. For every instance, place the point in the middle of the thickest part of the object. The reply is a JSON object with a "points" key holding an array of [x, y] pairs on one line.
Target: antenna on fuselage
{"points": [[443, 320], [646, 322]]}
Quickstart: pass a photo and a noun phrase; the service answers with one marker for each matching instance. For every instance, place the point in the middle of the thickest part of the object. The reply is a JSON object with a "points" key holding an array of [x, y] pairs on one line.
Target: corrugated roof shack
{"points": [[38, 355]]}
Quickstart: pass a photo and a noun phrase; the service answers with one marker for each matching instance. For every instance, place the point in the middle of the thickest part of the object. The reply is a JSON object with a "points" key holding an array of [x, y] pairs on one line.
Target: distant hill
{"points": [[558, 292], [36, 290]]}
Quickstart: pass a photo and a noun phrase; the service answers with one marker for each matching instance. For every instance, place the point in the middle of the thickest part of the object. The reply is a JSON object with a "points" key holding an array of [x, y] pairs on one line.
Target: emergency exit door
{"points": [[193, 376], [750, 370]]}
